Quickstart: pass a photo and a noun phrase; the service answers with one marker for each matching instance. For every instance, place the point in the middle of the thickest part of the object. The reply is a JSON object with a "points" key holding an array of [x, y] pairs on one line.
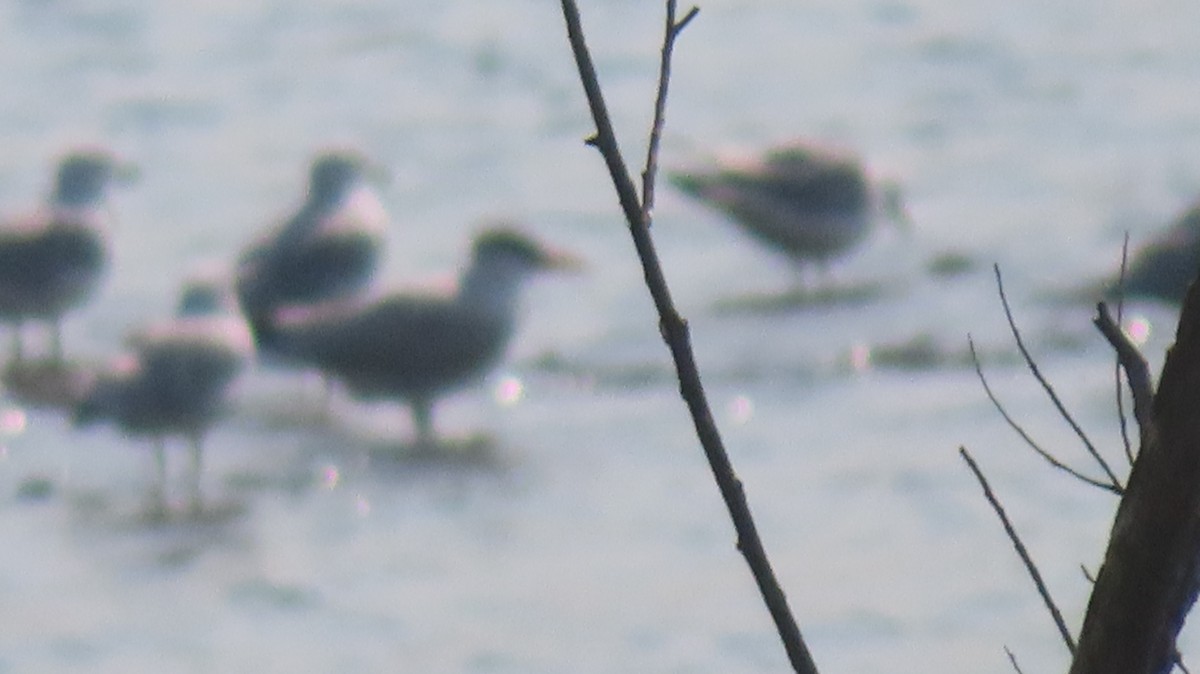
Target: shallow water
{"points": [[574, 525]]}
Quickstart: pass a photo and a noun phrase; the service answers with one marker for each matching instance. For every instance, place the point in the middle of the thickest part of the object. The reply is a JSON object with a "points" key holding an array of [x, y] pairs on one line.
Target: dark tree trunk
{"points": [[1148, 581]]}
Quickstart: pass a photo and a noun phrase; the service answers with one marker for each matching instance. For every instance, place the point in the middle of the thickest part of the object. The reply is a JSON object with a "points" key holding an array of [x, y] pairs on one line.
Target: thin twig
{"points": [[1037, 374], [1013, 659], [1012, 423], [1121, 417], [650, 173], [1137, 370], [605, 138], [675, 331], [1021, 550]]}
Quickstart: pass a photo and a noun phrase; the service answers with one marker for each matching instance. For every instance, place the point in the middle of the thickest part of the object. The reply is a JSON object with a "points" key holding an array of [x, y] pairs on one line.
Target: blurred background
{"points": [[581, 531]]}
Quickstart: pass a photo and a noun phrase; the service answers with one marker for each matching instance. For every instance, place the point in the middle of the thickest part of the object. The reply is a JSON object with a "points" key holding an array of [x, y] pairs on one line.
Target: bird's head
{"points": [[335, 172], [503, 258], [504, 245], [84, 175], [202, 298]]}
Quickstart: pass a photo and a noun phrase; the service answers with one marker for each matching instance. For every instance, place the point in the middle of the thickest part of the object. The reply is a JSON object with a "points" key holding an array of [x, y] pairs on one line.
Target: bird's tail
{"points": [[258, 306], [96, 403], [691, 184]]}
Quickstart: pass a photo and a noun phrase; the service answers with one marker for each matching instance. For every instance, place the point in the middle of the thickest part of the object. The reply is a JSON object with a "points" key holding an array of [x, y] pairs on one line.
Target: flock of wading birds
{"points": [[298, 294]]}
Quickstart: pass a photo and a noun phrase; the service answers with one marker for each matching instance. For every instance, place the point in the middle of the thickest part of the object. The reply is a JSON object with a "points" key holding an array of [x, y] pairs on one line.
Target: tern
{"points": [[175, 380], [418, 348], [52, 260], [329, 249], [811, 203]]}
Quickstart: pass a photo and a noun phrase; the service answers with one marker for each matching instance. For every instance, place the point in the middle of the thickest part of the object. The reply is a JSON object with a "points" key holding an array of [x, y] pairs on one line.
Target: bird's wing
{"points": [[414, 342], [220, 342]]}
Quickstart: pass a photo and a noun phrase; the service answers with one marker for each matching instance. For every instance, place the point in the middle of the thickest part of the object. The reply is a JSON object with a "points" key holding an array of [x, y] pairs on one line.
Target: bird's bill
{"points": [[376, 174], [125, 172], [554, 259]]}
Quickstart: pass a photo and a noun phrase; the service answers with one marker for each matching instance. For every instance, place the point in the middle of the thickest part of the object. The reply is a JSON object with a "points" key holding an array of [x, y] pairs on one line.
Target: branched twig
{"points": [[1020, 547], [1137, 370], [1087, 574], [649, 175], [1037, 373], [1121, 418], [1013, 659], [605, 138], [674, 329], [1012, 423]]}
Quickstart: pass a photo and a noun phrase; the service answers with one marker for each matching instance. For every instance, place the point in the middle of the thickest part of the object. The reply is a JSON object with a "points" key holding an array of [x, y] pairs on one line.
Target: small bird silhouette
{"points": [[174, 380], [811, 203], [52, 260]]}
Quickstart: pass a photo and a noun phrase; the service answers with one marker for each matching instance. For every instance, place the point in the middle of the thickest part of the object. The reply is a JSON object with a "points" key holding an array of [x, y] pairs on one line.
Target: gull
{"points": [[811, 203], [174, 380], [328, 249], [51, 260], [418, 348], [1164, 268]]}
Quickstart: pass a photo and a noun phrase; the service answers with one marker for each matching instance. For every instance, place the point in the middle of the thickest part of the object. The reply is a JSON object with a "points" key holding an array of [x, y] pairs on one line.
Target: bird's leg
{"points": [[422, 415], [18, 348], [803, 285], [328, 389], [195, 497], [56, 348], [826, 279], [158, 492]]}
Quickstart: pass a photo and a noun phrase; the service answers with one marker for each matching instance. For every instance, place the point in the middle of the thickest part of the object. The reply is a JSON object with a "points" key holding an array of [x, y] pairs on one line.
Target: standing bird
{"points": [[418, 348], [1164, 268], [174, 381], [52, 260], [811, 203], [329, 249]]}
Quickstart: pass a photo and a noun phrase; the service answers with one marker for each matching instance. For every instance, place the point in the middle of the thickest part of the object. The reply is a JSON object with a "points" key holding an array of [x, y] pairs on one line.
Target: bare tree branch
{"points": [[1137, 370], [1091, 578], [1050, 458], [650, 173], [674, 329], [1030, 566], [605, 138], [1037, 373], [1150, 577]]}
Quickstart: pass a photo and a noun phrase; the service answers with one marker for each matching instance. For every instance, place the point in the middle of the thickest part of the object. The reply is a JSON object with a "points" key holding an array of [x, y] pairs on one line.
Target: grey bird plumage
{"points": [[417, 348], [174, 380], [810, 203], [329, 249], [52, 261]]}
